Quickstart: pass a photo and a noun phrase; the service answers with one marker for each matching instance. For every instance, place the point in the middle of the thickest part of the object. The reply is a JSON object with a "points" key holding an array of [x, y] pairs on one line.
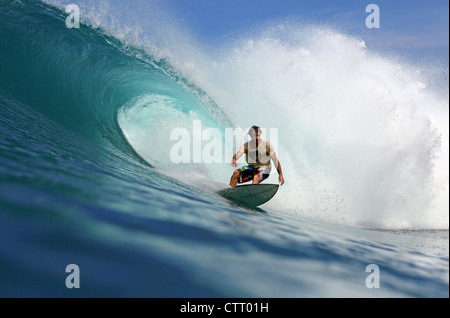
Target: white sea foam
{"points": [[362, 140]]}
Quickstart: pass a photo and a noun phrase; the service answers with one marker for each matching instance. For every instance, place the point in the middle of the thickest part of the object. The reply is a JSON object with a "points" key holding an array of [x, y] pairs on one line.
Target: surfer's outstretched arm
{"points": [[235, 177], [277, 164], [236, 157]]}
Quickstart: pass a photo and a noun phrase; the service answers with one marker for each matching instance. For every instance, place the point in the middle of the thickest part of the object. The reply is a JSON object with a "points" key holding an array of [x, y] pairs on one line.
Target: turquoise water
{"points": [[85, 180]]}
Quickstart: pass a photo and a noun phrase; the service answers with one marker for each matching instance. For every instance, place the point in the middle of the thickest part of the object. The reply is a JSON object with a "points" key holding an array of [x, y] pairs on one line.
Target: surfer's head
{"points": [[254, 132]]}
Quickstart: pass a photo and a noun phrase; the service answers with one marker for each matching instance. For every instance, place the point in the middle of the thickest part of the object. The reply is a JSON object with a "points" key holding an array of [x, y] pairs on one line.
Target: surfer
{"points": [[258, 154]]}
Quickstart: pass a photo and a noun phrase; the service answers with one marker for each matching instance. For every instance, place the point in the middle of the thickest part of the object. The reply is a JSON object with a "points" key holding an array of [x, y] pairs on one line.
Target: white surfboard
{"points": [[250, 194]]}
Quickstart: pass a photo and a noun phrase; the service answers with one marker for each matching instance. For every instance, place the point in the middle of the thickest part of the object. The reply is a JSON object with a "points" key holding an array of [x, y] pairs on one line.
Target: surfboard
{"points": [[250, 194]]}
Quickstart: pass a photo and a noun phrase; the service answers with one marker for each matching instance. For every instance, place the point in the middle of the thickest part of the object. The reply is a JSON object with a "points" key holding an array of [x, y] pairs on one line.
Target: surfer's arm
{"points": [[277, 164], [236, 157]]}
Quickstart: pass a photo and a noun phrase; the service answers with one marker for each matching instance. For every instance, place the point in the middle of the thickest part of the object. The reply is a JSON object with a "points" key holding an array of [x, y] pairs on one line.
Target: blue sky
{"points": [[420, 27]]}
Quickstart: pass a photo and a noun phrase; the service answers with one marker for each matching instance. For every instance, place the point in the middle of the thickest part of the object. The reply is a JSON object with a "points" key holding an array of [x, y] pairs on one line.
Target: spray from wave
{"points": [[363, 141], [362, 138]]}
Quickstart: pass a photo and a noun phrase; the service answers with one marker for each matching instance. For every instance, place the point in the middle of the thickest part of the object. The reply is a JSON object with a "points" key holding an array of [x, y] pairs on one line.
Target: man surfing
{"points": [[258, 154]]}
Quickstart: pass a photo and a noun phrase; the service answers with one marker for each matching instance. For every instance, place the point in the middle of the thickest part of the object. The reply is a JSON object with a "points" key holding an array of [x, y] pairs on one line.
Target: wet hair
{"points": [[254, 128]]}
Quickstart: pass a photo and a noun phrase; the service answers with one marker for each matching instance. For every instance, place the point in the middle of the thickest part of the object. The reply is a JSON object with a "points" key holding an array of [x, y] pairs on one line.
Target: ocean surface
{"points": [[87, 176]]}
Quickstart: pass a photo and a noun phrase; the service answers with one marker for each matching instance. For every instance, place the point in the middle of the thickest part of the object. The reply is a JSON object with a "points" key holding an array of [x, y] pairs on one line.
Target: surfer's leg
{"points": [[261, 174], [235, 178]]}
